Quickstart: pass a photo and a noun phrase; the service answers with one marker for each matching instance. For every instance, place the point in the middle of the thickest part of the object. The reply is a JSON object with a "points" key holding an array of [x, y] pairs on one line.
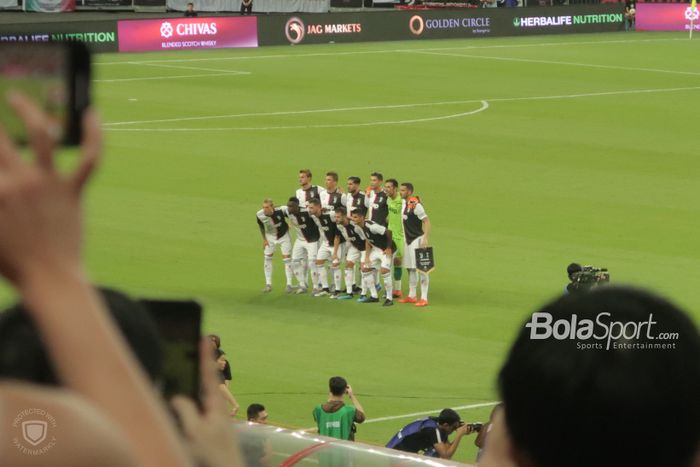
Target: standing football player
{"points": [[275, 231], [305, 245], [333, 197], [376, 200], [307, 190], [356, 241], [394, 204], [416, 228], [329, 233], [379, 252]]}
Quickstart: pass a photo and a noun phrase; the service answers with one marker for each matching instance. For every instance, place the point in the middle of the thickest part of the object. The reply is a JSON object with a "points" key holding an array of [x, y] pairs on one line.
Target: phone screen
{"points": [[55, 75], [179, 323]]}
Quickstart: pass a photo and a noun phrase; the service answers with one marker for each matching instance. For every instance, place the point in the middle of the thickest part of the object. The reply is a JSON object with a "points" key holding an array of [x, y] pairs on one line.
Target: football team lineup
{"points": [[527, 154]]}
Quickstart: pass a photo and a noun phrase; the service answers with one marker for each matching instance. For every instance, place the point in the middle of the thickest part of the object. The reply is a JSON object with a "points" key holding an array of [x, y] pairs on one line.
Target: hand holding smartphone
{"points": [[56, 75]]}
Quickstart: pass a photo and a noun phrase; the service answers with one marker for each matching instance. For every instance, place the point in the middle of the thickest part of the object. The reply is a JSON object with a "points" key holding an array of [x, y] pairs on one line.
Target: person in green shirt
{"points": [[391, 187], [335, 419]]}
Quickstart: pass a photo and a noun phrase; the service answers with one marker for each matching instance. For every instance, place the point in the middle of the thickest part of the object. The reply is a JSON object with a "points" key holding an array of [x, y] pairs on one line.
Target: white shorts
{"points": [[354, 255], [409, 256], [325, 252], [285, 243], [377, 258], [304, 250]]}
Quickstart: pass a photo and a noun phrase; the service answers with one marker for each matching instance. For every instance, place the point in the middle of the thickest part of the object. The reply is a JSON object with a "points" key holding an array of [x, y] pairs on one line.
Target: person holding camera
{"points": [[430, 435], [335, 419]]}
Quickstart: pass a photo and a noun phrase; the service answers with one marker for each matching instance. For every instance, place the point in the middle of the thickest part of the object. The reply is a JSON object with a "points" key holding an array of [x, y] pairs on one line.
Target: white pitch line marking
{"points": [[369, 52], [418, 414], [181, 67], [293, 112], [151, 78], [554, 62], [484, 106], [405, 106]]}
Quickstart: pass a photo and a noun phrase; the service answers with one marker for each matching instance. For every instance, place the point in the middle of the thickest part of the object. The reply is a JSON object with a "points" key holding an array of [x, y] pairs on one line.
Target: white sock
{"points": [[267, 267], [337, 278], [305, 272], [363, 283], [314, 273], [424, 283], [323, 275], [349, 279], [299, 273], [369, 283], [412, 283], [388, 285], [288, 270]]}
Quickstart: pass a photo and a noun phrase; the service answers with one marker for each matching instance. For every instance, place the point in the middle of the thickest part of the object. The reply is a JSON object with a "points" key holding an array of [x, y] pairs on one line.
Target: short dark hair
{"points": [[448, 416], [314, 201], [378, 175], [337, 385], [190, 3], [342, 210], [393, 182], [23, 354], [355, 180], [557, 395], [307, 172], [572, 268], [360, 211], [333, 175], [293, 199], [218, 353], [408, 185], [216, 339], [254, 410]]}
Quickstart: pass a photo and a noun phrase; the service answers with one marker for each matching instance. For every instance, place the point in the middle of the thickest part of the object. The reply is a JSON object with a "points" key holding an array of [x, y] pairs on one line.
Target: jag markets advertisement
{"points": [[187, 33], [436, 24], [666, 17]]}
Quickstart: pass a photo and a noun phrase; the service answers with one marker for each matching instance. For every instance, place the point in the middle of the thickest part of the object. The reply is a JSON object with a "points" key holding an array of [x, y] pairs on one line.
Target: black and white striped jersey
{"points": [[304, 196], [376, 234], [326, 224], [377, 208], [413, 214], [274, 225], [353, 234], [304, 225]]}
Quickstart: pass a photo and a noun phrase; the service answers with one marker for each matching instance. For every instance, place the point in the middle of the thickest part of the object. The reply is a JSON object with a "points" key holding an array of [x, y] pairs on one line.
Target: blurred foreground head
{"points": [[609, 378], [23, 354]]}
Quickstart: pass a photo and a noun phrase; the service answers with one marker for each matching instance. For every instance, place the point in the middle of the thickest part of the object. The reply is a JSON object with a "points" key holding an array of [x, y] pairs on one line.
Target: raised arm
{"points": [[40, 253]]}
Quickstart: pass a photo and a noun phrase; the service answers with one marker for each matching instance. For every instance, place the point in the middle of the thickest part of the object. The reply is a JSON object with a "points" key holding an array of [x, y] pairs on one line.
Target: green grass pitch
{"points": [[587, 152]]}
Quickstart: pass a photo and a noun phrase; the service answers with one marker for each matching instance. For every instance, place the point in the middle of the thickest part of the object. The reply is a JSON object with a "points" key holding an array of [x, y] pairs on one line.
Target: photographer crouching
{"points": [[584, 278], [429, 435]]}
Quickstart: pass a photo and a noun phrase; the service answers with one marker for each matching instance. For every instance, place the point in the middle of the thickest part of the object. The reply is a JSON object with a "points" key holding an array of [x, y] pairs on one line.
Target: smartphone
{"points": [[56, 75], [179, 324]]}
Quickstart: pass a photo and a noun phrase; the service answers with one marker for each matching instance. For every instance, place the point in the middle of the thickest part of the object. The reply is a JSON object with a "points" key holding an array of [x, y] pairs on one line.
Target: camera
{"points": [[474, 427], [585, 277]]}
